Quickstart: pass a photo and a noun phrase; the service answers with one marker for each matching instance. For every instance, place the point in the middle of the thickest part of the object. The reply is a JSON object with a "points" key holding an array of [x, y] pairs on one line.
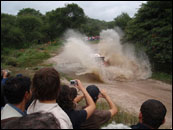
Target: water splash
{"points": [[124, 63]]}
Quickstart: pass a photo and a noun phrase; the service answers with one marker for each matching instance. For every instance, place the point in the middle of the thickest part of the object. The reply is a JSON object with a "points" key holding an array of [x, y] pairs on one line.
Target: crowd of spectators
{"points": [[43, 103]]}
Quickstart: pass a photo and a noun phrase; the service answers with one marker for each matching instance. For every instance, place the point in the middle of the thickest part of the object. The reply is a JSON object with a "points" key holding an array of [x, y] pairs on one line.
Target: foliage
{"points": [[152, 28], [30, 56], [30, 27], [122, 20], [93, 27], [29, 11], [167, 78]]}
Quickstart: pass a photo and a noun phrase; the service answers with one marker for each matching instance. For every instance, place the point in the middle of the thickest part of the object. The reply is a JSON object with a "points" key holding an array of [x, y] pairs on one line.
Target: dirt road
{"points": [[130, 95]]}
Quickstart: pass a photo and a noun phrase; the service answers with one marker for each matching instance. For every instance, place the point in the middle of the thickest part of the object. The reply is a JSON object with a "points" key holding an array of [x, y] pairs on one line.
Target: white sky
{"points": [[102, 10]]}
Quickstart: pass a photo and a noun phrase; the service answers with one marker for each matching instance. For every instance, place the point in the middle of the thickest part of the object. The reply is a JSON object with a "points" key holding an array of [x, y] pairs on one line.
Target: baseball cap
{"points": [[94, 91]]}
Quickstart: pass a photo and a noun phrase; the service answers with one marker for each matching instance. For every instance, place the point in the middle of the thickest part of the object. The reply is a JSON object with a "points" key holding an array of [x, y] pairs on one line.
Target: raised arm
{"points": [[113, 109], [91, 105], [78, 98]]}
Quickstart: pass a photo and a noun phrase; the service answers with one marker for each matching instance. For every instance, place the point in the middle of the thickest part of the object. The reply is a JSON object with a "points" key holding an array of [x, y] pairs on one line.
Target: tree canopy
{"points": [[152, 28]]}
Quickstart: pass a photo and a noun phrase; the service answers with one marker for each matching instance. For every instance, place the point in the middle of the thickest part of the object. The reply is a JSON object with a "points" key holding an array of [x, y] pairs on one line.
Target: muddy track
{"points": [[130, 95]]}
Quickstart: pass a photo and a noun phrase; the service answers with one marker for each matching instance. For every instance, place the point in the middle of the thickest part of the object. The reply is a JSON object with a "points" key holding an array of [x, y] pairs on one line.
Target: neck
{"points": [[48, 102], [21, 106]]}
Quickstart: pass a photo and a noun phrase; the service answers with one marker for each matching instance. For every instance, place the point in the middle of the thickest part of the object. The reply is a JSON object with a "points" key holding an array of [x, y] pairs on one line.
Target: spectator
{"points": [[45, 89], [17, 93], [5, 74], [152, 115], [66, 102], [33, 121], [99, 117]]}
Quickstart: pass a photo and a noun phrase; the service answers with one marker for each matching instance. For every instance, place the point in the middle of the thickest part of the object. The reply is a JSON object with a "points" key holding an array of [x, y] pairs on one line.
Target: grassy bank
{"points": [[121, 117], [28, 60], [167, 78]]}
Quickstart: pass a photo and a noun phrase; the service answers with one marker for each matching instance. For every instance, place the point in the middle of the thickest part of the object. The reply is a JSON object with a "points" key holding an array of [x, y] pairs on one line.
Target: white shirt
{"points": [[8, 112], [55, 109]]}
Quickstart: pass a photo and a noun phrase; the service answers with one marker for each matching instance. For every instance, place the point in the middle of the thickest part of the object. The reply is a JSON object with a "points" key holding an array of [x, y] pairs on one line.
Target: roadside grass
{"points": [[122, 116], [167, 78], [28, 60]]}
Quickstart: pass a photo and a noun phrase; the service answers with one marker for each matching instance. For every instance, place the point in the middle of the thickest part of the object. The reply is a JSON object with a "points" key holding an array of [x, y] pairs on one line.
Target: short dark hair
{"points": [[15, 89], [153, 113], [93, 91], [46, 84], [64, 100], [73, 93], [34, 121]]}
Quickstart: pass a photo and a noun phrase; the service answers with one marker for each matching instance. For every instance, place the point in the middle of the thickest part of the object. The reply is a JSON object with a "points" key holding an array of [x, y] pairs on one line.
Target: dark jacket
{"points": [[139, 126]]}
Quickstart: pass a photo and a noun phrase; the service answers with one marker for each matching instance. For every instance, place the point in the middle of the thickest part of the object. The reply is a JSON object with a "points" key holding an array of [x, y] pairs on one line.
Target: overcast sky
{"points": [[102, 10]]}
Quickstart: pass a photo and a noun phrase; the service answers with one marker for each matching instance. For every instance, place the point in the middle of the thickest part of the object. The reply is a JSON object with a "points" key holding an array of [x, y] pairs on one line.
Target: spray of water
{"points": [[124, 63]]}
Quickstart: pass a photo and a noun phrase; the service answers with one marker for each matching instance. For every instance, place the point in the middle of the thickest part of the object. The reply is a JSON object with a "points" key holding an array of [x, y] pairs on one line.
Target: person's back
{"points": [[17, 93], [46, 88], [152, 115], [99, 117]]}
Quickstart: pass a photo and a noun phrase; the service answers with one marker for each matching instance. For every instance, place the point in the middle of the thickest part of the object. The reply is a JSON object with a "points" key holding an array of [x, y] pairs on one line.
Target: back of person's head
{"points": [[15, 89], [46, 84], [153, 113], [1, 74], [93, 91], [64, 100], [34, 121], [73, 93]]}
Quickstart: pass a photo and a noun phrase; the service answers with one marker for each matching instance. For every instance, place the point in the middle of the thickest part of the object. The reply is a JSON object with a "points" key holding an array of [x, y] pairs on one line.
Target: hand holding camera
{"points": [[5, 73], [77, 84]]}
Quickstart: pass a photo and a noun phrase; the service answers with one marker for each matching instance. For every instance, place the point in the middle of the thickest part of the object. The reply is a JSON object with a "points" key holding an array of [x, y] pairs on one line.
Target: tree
{"points": [[122, 20], [152, 27], [30, 26], [29, 11], [11, 35], [57, 21]]}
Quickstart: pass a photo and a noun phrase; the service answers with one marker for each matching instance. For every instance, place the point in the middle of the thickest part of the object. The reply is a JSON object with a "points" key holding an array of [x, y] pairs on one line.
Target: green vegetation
{"points": [[167, 78], [152, 28], [28, 59], [121, 117]]}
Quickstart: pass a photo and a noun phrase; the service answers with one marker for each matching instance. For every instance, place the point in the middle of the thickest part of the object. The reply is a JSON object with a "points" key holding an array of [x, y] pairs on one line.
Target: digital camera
{"points": [[73, 82]]}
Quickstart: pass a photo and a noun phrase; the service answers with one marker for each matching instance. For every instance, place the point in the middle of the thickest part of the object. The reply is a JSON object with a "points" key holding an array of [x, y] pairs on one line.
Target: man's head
{"points": [[64, 100], [16, 89], [46, 84], [93, 91], [153, 113]]}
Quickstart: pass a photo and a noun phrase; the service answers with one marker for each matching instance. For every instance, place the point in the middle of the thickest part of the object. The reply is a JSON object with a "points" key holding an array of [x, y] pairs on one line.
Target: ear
{"points": [[140, 117], [164, 121], [27, 95]]}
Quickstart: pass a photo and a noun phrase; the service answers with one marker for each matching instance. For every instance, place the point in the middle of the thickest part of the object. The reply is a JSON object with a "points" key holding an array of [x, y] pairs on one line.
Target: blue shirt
{"points": [[3, 81], [18, 110]]}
